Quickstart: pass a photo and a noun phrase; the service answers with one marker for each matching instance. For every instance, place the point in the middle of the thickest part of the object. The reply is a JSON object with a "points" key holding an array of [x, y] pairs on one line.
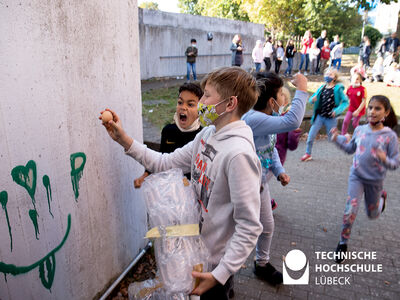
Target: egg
{"points": [[106, 116]]}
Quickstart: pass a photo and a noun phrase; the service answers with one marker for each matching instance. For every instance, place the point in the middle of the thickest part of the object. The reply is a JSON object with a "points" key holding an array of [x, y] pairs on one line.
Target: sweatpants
{"points": [[347, 119], [267, 220], [372, 191]]}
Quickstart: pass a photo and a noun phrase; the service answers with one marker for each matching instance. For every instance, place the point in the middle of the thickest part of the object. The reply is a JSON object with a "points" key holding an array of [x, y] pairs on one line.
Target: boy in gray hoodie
{"points": [[225, 172]]}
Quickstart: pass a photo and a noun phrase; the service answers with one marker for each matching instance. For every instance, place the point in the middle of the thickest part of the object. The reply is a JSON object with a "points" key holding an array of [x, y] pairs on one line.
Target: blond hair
{"points": [[333, 71], [286, 94], [234, 81]]}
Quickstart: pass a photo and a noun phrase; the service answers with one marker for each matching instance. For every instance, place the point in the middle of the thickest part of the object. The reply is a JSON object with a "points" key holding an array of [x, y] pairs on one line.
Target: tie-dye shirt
{"points": [[364, 144]]}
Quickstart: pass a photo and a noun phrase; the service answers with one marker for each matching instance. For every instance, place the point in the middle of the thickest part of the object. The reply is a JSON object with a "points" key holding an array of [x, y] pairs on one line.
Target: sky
{"points": [[166, 5]]}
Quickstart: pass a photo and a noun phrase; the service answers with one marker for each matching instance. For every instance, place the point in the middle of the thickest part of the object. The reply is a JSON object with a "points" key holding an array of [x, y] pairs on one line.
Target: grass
{"points": [[162, 114]]}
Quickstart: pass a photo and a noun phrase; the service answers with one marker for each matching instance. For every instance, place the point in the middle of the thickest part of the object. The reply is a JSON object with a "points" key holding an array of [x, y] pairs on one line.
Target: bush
{"points": [[353, 38]]}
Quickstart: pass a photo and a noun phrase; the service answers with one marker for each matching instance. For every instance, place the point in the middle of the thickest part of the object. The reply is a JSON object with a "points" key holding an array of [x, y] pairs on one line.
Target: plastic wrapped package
{"points": [[151, 289], [171, 201]]}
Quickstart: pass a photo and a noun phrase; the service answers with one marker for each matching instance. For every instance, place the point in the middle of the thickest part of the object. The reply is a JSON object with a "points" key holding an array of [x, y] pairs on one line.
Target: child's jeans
{"points": [[373, 202], [289, 66], [306, 58], [267, 220], [319, 121], [193, 67], [258, 67], [347, 120], [337, 62]]}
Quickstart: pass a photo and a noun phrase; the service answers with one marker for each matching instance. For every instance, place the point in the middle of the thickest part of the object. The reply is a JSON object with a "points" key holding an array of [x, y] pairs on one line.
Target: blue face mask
{"points": [[328, 79]]}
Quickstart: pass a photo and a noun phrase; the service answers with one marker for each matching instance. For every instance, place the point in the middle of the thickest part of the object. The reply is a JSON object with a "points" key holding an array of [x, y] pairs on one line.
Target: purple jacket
{"points": [[287, 140]]}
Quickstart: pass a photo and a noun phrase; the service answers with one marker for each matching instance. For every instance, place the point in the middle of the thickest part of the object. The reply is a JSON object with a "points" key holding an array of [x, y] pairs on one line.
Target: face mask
{"points": [[208, 113], [356, 85], [377, 122], [328, 79], [193, 45], [280, 109]]}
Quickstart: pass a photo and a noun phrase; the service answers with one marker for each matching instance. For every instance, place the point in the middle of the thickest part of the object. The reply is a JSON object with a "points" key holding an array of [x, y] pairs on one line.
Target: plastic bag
{"points": [[151, 289], [170, 202]]}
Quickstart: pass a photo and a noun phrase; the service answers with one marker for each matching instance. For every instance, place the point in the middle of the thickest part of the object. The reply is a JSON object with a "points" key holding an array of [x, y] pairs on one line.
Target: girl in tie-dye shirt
{"points": [[376, 150]]}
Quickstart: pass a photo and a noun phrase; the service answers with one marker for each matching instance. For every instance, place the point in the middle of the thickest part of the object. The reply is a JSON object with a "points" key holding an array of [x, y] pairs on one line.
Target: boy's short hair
{"points": [[234, 81], [191, 87], [193, 41]]}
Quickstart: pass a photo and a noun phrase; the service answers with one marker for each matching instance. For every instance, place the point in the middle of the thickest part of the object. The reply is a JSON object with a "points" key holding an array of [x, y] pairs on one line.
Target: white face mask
{"points": [[280, 109], [356, 85], [193, 45]]}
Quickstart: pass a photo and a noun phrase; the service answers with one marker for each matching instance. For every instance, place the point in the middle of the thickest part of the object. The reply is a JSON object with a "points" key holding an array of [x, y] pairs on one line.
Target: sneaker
{"points": [[268, 273], [306, 157], [305, 73], [341, 248], [273, 204], [384, 196]]}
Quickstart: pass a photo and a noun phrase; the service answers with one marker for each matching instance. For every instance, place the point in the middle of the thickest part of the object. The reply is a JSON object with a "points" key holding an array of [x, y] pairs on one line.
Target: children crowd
{"points": [[247, 128]]}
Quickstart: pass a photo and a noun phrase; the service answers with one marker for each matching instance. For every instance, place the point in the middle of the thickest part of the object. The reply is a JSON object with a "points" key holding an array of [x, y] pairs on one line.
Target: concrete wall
{"points": [[164, 38], [61, 62]]}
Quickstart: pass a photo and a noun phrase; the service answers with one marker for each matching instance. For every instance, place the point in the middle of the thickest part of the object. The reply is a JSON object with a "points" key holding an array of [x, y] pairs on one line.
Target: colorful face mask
{"points": [[208, 113]]}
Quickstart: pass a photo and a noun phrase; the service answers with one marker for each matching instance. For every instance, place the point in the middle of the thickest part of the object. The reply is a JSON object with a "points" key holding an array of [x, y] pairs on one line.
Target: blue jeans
{"points": [[337, 61], [304, 57], [289, 65], [193, 66], [258, 67], [319, 121]]}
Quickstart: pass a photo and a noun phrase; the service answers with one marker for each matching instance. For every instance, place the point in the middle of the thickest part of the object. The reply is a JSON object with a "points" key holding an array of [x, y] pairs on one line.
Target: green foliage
{"points": [[149, 5], [373, 34], [353, 37], [365, 4], [229, 9], [283, 17]]}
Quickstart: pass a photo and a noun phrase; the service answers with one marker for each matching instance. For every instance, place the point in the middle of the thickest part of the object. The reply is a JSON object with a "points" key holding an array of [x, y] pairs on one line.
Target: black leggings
{"points": [[277, 65]]}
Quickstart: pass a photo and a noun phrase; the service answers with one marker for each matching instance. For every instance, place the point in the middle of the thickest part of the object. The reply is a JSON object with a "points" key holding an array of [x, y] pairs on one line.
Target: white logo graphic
{"points": [[296, 260]]}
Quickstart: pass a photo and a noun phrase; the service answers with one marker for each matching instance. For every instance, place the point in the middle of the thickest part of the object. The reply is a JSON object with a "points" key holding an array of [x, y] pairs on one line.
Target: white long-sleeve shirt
{"points": [[268, 50]]}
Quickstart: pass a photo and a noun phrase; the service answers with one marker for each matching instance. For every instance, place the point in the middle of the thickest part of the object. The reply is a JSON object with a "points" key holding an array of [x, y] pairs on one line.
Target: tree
{"points": [[149, 5], [229, 9]]}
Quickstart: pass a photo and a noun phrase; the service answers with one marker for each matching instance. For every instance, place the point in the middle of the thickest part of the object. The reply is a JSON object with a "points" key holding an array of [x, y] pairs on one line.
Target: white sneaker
{"points": [[305, 73]]}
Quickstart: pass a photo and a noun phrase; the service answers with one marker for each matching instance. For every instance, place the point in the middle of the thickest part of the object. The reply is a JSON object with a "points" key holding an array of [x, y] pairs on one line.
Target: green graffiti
{"points": [[78, 161], [3, 202], [33, 215], [48, 261], [46, 183], [25, 176]]}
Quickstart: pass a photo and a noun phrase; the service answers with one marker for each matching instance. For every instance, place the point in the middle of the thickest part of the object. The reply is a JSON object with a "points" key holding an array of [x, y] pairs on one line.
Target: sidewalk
{"points": [[308, 218]]}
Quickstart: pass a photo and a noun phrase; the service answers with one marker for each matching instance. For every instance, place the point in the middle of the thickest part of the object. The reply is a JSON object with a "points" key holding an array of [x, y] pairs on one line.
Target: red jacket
{"points": [[325, 53]]}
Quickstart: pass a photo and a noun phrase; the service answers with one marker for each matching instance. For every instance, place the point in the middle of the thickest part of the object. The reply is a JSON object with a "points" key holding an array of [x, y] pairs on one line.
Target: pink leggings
{"points": [[347, 119]]}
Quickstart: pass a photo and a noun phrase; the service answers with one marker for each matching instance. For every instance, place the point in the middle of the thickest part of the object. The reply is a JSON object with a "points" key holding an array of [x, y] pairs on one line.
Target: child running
{"points": [[377, 149], [185, 127], [266, 121], [329, 102], [358, 97], [225, 173]]}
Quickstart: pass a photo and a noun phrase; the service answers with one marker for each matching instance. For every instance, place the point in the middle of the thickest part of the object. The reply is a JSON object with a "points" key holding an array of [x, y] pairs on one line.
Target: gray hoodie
{"points": [[226, 174], [364, 143]]}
